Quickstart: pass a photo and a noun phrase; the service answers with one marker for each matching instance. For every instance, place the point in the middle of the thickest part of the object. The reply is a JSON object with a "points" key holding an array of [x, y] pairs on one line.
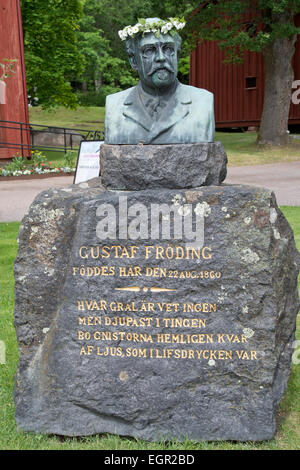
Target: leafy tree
{"points": [[177, 8], [52, 56], [104, 68], [173, 8], [256, 25], [107, 68]]}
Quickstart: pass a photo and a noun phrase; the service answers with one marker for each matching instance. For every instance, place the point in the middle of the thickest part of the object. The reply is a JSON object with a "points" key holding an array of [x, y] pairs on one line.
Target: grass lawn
{"points": [[288, 431], [240, 146], [91, 118], [242, 150]]}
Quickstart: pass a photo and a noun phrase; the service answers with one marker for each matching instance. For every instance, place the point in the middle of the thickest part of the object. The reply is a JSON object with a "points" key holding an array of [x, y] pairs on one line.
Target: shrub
{"points": [[70, 158], [96, 98], [17, 164]]}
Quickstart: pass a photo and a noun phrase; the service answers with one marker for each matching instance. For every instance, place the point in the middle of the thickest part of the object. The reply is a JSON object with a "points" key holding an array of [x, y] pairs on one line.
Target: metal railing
{"points": [[24, 137]]}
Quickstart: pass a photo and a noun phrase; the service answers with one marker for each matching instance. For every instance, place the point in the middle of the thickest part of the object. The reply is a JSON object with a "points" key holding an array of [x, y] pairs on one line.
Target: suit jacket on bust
{"points": [[188, 117]]}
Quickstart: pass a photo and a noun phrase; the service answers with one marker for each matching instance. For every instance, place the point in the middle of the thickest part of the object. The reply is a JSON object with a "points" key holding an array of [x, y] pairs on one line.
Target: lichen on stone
{"points": [[203, 209], [250, 256]]}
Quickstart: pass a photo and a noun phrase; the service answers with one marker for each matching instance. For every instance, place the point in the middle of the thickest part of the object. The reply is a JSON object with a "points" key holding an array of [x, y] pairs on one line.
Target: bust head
{"points": [[174, 113], [154, 55]]}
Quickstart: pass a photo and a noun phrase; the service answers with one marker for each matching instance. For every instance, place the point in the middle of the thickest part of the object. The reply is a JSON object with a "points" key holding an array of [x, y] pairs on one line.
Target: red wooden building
{"points": [[13, 95], [238, 89]]}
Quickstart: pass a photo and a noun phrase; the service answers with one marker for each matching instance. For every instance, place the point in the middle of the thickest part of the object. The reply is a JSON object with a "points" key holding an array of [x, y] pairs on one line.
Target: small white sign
{"points": [[88, 161]]}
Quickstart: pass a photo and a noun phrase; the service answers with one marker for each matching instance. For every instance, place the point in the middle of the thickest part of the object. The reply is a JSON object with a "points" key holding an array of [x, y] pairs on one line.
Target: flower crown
{"points": [[152, 25]]}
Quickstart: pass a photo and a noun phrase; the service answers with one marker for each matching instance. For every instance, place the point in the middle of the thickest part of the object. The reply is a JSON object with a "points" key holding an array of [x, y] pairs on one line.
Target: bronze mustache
{"points": [[165, 67]]}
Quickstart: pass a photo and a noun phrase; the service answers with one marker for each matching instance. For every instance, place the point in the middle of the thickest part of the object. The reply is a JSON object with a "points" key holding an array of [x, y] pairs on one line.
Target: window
{"points": [[250, 82]]}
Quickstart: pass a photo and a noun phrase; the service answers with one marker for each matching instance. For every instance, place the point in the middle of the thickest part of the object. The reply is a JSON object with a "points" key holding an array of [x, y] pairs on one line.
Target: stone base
{"points": [[150, 337], [135, 167]]}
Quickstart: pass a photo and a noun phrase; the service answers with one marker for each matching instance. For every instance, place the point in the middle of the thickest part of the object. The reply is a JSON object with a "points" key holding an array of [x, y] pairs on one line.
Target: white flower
{"points": [[160, 26]]}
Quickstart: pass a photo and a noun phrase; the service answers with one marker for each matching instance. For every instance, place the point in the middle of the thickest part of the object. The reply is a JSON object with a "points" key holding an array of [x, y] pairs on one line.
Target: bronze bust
{"points": [[159, 109]]}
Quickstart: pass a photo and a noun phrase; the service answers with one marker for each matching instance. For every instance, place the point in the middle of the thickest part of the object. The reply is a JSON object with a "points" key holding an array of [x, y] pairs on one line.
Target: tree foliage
{"points": [[105, 68], [240, 25], [76, 42], [52, 56], [107, 63], [255, 25]]}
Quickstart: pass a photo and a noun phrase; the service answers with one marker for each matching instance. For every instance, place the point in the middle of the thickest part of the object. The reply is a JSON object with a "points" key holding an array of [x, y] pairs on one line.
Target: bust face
{"points": [[156, 61]]}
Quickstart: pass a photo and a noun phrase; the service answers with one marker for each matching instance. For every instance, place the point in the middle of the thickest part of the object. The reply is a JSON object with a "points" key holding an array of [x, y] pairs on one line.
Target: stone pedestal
{"points": [[175, 166], [162, 313]]}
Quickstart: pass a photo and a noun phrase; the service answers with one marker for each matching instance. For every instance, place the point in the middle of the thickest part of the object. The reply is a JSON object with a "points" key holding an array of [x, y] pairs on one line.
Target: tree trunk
{"points": [[84, 86], [279, 75], [98, 82], [98, 78]]}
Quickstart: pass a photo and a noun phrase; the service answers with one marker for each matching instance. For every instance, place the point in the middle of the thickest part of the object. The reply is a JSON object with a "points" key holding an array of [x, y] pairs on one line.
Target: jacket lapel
{"points": [[178, 108], [134, 110]]}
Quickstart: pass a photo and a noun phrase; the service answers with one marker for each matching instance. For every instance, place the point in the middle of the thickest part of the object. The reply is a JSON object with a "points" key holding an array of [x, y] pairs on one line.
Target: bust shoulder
{"points": [[118, 97], [198, 94]]}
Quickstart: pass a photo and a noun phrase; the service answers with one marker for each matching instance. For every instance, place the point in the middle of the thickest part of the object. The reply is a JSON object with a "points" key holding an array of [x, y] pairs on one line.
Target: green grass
{"points": [[90, 118], [240, 146], [293, 216], [242, 150], [86, 118], [287, 436]]}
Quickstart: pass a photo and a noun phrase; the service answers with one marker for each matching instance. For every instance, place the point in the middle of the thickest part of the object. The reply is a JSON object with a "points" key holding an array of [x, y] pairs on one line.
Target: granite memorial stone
{"points": [[155, 314], [155, 301], [134, 167]]}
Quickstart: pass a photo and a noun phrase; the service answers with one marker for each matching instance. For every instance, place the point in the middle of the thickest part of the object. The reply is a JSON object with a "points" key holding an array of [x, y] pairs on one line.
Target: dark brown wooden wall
{"points": [[238, 102], [15, 107]]}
